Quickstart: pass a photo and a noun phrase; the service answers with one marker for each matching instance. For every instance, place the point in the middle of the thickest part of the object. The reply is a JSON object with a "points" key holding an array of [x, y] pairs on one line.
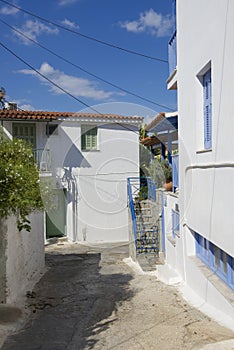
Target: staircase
{"points": [[147, 238], [143, 216]]}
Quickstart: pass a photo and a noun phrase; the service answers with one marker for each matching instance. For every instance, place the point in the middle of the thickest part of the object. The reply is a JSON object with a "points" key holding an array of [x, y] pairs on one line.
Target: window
{"points": [[202, 248], [216, 259], [175, 223], [52, 129], [25, 131], [88, 137], [207, 109]]}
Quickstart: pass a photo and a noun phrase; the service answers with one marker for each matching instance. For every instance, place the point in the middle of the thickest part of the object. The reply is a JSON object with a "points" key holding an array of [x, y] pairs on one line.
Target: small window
{"points": [[88, 137], [25, 131], [207, 109], [175, 223], [52, 129]]}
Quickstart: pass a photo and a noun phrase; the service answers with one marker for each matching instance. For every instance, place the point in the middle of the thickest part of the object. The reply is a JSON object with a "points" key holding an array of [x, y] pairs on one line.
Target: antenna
{"points": [[2, 95]]}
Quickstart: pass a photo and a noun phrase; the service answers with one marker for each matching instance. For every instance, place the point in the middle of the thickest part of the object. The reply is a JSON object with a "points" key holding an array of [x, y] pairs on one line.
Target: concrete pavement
{"points": [[90, 299]]}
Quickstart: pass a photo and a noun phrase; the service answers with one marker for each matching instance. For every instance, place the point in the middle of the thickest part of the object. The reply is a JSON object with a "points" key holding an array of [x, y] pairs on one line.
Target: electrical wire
{"points": [[46, 78], [60, 88], [82, 69], [84, 35]]}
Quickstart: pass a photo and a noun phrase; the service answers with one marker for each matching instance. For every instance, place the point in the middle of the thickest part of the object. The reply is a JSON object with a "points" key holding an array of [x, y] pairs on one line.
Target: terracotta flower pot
{"points": [[168, 186]]}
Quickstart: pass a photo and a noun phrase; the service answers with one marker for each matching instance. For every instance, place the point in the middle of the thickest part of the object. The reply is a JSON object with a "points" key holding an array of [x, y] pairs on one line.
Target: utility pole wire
{"points": [[48, 79], [84, 35], [82, 69], [60, 88]]}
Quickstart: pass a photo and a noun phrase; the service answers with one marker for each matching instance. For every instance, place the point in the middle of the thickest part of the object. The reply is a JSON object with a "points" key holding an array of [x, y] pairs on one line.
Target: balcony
{"points": [[43, 159], [172, 59]]}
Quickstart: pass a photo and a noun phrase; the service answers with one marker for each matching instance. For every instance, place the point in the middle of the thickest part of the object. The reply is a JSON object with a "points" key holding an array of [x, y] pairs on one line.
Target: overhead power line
{"points": [[84, 70], [60, 88], [46, 78], [84, 35]]}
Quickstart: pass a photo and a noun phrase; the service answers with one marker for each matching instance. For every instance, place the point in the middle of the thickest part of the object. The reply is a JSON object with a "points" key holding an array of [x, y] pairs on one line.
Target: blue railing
{"points": [[140, 188], [151, 189], [131, 195], [175, 223], [143, 188], [175, 171], [172, 53]]}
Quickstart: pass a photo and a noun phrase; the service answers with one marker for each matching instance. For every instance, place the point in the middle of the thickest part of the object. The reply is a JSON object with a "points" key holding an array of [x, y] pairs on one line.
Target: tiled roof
{"points": [[46, 115], [150, 141], [156, 120]]}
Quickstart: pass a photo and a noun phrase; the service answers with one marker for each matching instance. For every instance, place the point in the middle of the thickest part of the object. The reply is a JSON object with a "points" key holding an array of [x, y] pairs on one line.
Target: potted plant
{"points": [[168, 176], [161, 172]]}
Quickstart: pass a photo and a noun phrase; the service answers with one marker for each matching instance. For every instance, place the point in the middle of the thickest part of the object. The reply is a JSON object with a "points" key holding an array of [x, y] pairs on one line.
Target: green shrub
{"points": [[19, 181], [160, 172]]}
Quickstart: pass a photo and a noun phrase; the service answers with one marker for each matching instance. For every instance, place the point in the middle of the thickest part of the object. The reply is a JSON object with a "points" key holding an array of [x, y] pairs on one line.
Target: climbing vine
{"points": [[19, 181]]}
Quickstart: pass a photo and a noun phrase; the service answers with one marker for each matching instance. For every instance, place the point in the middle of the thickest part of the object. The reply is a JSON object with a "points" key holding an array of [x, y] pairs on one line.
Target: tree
{"points": [[19, 181]]}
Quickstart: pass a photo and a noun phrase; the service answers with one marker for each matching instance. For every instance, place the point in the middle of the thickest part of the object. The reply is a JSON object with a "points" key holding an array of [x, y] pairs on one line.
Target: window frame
{"points": [[89, 130], [175, 222], [23, 137], [52, 129], [207, 108], [205, 251]]}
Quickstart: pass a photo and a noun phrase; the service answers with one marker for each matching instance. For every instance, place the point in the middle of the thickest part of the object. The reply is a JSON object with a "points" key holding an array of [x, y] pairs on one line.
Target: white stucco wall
{"points": [[97, 205], [24, 257], [97, 194], [170, 242], [206, 191], [204, 37]]}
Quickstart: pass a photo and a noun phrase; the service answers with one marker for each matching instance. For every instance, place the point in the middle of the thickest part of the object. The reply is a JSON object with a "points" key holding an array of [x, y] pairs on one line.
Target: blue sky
{"points": [[140, 25]]}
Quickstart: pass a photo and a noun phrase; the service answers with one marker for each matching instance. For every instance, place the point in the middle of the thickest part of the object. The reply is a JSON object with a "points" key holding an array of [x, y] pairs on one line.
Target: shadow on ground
{"points": [[73, 302]]}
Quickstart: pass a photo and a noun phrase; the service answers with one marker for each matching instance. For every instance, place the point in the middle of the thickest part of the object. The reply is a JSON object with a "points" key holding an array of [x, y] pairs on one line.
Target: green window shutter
{"points": [[25, 132], [88, 137]]}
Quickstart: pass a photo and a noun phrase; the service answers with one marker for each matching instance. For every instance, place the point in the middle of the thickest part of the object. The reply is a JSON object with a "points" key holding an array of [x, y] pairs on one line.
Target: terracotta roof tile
{"points": [[150, 140], [156, 120], [46, 115]]}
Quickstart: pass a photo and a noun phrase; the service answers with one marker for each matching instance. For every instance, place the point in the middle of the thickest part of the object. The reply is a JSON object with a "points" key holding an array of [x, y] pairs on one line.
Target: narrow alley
{"points": [[89, 298]]}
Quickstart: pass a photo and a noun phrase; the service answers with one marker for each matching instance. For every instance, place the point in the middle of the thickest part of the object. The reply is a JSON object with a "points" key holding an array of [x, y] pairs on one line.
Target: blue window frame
{"points": [[216, 259], [175, 223], [207, 94]]}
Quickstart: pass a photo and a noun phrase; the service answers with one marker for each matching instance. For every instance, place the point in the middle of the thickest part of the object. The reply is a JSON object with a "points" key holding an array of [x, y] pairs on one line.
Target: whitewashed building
{"points": [[85, 159], [201, 56]]}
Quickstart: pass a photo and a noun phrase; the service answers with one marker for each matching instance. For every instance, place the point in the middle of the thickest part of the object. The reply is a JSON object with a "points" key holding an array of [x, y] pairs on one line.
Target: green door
{"points": [[56, 215]]}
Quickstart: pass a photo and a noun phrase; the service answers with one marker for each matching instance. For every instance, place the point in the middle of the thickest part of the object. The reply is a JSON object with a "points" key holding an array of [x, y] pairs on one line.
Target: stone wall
{"points": [[22, 257]]}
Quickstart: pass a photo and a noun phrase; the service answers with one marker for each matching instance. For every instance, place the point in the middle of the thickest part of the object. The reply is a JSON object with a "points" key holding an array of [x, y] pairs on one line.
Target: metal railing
{"points": [[43, 159], [139, 188], [151, 189], [131, 193], [142, 188]]}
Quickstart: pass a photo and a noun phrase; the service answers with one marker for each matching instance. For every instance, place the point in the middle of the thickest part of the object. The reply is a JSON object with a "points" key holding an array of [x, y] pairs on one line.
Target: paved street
{"points": [[90, 299]]}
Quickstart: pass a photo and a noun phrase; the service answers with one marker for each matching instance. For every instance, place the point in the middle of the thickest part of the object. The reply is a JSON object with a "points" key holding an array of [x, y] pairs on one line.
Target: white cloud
{"points": [[152, 22], [8, 10], [67, 2], [70, 24], [33, 29], [78, 87], [27, 107], [148, 118]]}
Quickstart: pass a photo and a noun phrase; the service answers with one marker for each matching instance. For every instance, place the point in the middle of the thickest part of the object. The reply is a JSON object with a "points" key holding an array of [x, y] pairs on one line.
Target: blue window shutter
{"points": [[207, 110]]}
